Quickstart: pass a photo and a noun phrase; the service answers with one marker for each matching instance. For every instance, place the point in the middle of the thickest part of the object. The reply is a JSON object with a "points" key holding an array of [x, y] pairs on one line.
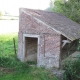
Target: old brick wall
{"points": [[50, 51], [49, 41]]}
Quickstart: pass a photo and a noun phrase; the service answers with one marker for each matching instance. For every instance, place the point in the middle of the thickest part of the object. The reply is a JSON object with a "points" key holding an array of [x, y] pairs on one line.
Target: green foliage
{"points": [[78, 46], [6, 44], [70, 8], [10, 62], [72, 70], [22, 71]]}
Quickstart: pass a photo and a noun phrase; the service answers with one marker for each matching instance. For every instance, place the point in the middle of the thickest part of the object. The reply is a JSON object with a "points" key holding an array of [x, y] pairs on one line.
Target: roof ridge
{"points": [[49, 20]]}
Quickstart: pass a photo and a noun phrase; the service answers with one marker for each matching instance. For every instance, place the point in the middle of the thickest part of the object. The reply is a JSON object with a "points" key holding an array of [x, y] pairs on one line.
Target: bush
{"points": [[78, 45], [11, 62], [72, 70], [69, 8]]}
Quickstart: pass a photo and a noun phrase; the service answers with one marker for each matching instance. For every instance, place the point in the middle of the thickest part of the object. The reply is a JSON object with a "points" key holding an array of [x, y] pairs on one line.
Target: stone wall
{"points": [[49, 41]]}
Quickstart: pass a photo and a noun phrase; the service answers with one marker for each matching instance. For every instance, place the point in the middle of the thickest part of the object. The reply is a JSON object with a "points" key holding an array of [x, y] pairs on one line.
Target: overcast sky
{"points": [[12, 6]]}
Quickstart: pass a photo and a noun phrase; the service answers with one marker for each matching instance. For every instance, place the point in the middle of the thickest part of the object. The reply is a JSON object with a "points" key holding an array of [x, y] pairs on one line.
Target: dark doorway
{"points": [[31, 46]]}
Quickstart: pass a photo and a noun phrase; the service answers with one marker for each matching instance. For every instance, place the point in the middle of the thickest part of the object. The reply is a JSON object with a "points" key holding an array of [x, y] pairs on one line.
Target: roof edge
{"points": [[23, 10], [39, 20]]}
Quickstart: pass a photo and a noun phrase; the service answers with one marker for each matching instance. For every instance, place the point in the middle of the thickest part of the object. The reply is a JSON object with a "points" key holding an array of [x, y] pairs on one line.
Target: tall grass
{"points": [[6, 44], [72, 69]]}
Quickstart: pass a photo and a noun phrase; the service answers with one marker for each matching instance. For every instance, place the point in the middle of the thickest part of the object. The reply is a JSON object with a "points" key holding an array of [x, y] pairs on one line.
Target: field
{"points": [[8, 17], [12, 69]]}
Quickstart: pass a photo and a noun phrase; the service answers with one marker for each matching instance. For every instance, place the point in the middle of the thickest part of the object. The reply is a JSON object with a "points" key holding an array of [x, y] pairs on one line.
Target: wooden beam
{"points": [[14, 45], [64, 42]]}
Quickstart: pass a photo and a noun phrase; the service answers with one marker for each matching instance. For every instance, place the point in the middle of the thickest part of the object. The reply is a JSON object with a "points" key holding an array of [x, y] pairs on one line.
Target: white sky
{"points": [[12, 6]]}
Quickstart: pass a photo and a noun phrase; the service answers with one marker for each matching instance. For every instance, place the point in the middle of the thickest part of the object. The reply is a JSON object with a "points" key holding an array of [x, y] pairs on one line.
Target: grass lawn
{"points": [[12, 69]]}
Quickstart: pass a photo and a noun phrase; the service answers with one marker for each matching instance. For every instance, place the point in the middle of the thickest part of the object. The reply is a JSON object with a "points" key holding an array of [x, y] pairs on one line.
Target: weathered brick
{"points": [[48, 52]]}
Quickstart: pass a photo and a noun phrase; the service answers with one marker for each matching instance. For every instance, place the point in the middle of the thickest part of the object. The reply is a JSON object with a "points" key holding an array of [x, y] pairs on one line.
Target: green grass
{"points": [[13, 69], [6, 44]]}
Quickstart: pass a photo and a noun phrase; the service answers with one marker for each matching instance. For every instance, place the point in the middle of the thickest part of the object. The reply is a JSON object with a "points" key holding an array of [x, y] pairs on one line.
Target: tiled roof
{"points": [[58, 22]]}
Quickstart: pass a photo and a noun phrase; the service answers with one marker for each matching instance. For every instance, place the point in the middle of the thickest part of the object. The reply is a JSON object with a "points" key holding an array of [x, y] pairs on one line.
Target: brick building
{"points": [[46, 37]]}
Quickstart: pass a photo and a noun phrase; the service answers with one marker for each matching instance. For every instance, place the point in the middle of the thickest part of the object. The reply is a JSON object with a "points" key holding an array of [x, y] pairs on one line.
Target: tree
{"points": [[69, 8]]}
